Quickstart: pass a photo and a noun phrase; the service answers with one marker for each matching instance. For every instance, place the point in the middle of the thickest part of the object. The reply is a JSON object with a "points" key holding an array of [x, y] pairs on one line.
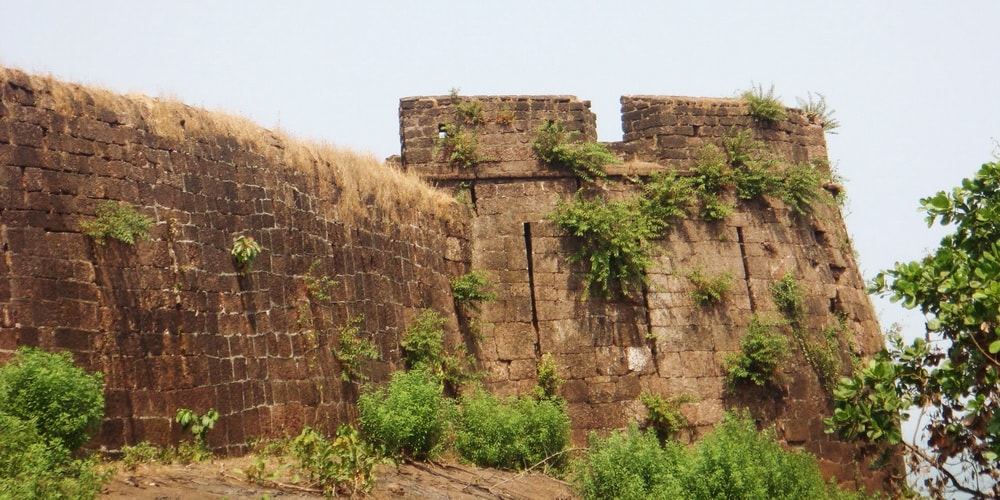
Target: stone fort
{"points": [[172, 323]]}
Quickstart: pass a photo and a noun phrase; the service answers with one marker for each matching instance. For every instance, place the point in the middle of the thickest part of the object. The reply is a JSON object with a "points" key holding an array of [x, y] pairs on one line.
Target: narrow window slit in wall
{"points": [[531, 284], [442, 131], [746, 268]]}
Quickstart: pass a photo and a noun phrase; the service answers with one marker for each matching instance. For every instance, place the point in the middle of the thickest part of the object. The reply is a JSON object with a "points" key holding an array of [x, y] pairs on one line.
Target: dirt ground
{"points": [[224, 478]]}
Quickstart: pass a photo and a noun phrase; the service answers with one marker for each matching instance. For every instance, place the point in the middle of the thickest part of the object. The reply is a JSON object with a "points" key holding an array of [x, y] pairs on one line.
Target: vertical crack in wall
{"points": [[650, 338], [746, 268], [472, 197], [531, 287]]}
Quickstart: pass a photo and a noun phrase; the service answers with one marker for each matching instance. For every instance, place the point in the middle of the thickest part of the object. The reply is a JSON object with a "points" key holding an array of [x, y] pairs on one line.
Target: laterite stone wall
{"points": [[170, 321], [659, 341]]}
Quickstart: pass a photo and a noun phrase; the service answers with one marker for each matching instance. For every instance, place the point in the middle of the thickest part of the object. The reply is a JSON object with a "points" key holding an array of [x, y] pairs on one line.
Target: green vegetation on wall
{"points": [[424, 349], [763, 351], [472, 289], [764, 105], [614, 242], [615, 235], [556, 146], [709, 290], [352, 350], [244, 252], [459, 141], [119, 221]]}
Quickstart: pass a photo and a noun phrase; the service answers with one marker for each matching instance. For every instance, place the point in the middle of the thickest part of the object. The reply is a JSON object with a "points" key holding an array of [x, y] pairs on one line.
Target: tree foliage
{"points": [[953, 371]]}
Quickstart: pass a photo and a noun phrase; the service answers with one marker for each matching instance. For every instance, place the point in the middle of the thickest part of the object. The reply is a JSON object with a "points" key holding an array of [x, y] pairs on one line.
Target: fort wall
{"points": [[610, 351], [173, 323], [170, 321]]}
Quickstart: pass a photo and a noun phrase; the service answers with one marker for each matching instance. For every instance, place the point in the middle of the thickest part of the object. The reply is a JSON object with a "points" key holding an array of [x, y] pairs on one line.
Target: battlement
{"points": [[662, 130]]}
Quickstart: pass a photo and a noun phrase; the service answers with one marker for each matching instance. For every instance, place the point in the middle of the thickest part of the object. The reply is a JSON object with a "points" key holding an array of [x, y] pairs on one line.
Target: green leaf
{"points": [[995, 347]]}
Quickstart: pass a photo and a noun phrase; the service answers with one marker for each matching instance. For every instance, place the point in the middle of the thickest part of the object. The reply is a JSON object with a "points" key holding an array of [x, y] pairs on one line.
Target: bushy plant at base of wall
{"points": [[733, 461], [62, 400], [514, 433], [409, 417], [48, 408], [344, 464], [628, 464]]}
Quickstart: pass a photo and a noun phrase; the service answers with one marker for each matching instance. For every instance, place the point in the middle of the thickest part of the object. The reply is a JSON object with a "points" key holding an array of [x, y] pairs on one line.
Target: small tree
{"points": [[62, 400], [956, 376]]}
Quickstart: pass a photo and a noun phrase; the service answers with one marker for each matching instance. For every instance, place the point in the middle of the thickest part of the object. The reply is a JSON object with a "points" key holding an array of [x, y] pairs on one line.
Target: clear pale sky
{"points": [[914, 84]]}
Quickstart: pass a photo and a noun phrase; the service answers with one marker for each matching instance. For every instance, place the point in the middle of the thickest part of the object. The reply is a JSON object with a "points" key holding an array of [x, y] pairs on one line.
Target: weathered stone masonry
{"points": [[169, 321], [611, 351], [172, 324]]}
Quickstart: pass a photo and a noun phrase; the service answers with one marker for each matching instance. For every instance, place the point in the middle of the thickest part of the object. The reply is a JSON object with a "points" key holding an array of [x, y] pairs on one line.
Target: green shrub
{"points": [[709, 289], [460, 146], [63, 401], [788, 297], [801, 187], [48, 408], [762, 352], [344, 465], [816, 111], [549, 381], [424, 349], [664, 415], [118, 220], [198, 425], [764, 105], [472, 288], [513, 433], [665, 196], [144, 453], [737, 461], [629, 465], [732, 461], [614, 241], [409, 417], [555, 146], [245, 251], [32, 466], [352, 350]]}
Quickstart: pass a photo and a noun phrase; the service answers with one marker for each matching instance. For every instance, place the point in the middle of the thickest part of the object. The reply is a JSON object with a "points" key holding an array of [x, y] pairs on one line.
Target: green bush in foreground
{"points": [[63, 401], [513, 433], [733, 461], [33, 467], [737, 461], [48, 408], [409, 417], [629, 464], [344, 464]]}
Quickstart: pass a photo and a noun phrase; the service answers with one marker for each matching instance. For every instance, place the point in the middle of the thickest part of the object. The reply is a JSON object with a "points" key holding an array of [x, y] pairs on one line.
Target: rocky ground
{"points": [[224, 478]]}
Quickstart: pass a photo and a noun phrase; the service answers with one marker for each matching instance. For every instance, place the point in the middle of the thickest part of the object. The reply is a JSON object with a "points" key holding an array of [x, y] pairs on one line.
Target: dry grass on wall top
{"points": [[361, 176]]}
